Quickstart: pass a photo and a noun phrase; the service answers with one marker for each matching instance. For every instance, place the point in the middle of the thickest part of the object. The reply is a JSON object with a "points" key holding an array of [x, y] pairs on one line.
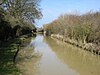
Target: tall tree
{"points": [[23, 9]]}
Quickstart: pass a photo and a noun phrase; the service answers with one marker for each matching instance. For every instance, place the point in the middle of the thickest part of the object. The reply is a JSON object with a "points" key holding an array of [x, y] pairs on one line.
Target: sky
{"points": [[52, 9]]}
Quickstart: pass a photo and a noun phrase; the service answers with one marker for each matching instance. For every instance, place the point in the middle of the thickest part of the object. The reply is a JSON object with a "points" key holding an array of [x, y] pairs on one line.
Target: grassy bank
{"points": [[7, 55], [93, 48]]}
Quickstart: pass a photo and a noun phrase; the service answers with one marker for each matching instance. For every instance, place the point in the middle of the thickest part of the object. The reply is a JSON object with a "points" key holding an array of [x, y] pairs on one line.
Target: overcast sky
{"points": [[51, 9]]}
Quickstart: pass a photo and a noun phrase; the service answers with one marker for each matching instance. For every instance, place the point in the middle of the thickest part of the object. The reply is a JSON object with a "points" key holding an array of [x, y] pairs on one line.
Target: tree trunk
{"points": [[14, 58]]}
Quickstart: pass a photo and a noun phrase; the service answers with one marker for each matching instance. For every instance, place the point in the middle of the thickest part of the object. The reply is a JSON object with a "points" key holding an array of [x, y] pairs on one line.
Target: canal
{"points": [[46, 56]]}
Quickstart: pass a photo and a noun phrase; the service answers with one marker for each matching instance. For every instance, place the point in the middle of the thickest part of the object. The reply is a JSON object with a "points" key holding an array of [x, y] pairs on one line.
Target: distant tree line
{"points": [[17, 17], [85, 27]]}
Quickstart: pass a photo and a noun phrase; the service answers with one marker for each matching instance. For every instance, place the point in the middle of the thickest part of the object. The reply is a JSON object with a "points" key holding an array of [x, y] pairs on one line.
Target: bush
{"points": [[85, 28]]}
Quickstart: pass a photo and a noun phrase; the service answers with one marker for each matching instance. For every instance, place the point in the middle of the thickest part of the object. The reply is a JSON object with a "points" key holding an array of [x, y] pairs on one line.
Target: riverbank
{"points": [[8, 54], [93, 48]]}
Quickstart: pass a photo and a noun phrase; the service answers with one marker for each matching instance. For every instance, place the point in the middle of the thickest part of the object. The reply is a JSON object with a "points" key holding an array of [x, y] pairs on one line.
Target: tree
{"points": [[23, 9], [83, 28], [21, 13]]}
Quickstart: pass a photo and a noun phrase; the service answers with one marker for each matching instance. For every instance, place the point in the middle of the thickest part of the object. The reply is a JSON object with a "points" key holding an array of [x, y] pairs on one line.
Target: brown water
{"points": [[58, 58]]}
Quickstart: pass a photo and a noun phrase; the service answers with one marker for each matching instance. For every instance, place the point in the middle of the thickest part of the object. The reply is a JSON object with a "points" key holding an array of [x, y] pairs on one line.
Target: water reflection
{"points": [[81, 61], [49, 63], [28, 59], [56, 58]]}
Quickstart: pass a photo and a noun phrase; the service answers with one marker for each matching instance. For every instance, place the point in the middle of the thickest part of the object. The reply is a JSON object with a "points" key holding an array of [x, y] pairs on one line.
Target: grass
{"points": [[7, 52]]}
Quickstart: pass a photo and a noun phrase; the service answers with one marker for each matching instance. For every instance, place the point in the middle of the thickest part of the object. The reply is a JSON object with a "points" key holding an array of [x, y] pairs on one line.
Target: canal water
{"points": [[46, 56]]}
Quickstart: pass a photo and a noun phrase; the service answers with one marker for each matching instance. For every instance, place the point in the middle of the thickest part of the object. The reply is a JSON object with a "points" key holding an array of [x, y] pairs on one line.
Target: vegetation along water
{"points": [[69, 45]]}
